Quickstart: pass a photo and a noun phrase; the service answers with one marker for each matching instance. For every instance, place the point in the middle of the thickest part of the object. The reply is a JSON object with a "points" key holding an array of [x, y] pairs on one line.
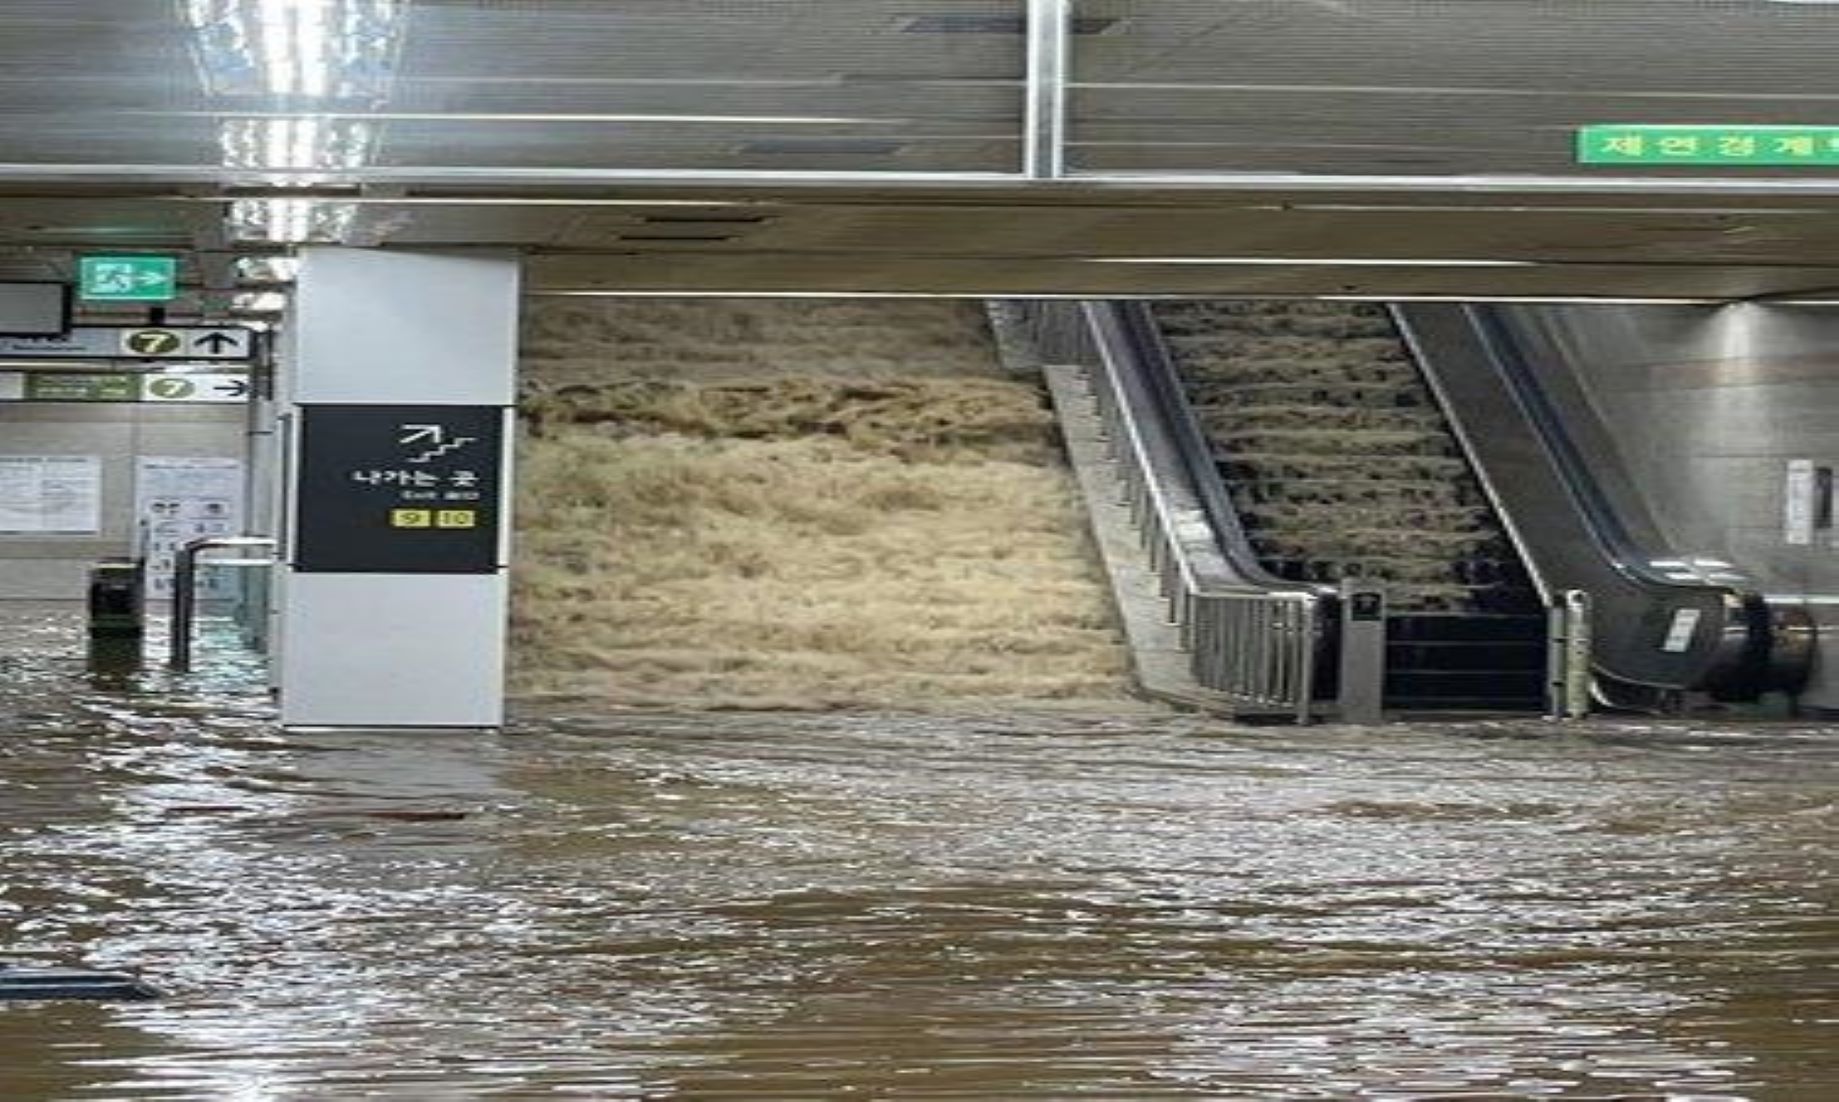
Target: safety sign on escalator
{"points": [[399, 489]]}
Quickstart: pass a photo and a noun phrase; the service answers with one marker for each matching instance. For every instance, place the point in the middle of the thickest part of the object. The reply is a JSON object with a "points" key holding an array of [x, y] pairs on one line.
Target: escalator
{"points": [[1413, 450], [1667, 627], [1341, 467]]}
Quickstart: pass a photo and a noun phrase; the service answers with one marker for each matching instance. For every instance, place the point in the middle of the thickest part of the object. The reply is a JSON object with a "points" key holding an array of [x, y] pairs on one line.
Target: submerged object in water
{"points": [[70, 983]]}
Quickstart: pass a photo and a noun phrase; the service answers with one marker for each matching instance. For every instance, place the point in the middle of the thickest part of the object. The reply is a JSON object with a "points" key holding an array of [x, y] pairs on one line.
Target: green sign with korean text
{"points": [[128, 278], [1710, 146], [66, 387]]}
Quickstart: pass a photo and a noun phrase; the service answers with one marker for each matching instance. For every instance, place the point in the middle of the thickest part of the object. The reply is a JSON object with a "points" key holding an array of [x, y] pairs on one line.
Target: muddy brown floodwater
{"points": [[895, 906]]}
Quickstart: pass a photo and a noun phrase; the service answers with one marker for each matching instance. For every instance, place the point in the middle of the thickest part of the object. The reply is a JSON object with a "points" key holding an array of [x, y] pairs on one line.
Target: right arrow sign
{"points": [[195, 386]]}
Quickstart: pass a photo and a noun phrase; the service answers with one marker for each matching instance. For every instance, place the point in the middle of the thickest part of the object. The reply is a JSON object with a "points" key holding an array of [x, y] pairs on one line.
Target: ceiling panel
{"points": [[820, 85], [1414, 89], [1432, 86]]}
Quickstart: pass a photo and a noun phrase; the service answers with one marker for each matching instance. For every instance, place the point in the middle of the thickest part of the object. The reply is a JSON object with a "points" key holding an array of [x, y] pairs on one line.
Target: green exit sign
{"points": [[1729, 146], [128, 278]]}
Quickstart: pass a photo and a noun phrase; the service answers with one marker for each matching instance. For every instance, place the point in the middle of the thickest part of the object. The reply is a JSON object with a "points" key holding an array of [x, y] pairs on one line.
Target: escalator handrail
{"points": [[1262, 646], [1129, 328], [1601, 518]]}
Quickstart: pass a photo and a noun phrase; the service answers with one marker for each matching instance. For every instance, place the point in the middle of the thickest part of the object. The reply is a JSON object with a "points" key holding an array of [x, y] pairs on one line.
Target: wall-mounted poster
{"points": [[179, 499], [50, 495]]}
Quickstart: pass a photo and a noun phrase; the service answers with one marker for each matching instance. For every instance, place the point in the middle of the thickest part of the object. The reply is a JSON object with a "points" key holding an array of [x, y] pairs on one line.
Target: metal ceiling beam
{"points": [[562, 179]]}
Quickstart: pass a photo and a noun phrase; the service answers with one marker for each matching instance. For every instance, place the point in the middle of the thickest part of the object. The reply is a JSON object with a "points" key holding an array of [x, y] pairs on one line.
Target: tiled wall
{"points": [[50, 567]]}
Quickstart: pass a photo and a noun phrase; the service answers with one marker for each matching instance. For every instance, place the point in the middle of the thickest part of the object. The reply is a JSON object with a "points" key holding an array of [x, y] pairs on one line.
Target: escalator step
{"points": [[1339, 461], [1465, 655], [1483, 627], [1514, 704], [1465, 682]]}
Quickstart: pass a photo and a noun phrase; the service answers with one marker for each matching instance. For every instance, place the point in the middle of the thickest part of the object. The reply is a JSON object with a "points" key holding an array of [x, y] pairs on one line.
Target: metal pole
{"points": [[1044, 114], [1568, 657], [1310, 629], [1363, 654], [184, 602]]}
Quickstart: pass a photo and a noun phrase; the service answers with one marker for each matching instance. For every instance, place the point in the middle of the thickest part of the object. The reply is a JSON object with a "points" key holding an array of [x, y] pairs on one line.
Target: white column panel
{"points": [[393, 650], [397, 647], [382, 326]]}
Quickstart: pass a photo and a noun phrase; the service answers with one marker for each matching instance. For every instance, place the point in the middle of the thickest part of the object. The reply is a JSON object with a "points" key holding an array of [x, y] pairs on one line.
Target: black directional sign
{"points": [[399, 489]]}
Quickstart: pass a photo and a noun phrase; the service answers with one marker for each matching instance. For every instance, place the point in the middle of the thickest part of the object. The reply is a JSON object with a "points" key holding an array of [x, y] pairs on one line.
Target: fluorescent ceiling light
{"points": [[1088, 296], [259, 302], [866, 147], [290, 221], [974, 23], [514, 201], [296, 142], [1313, 261], [267, 269], [1548, 208], [1554, 300], [554, 201], [537, 117], [315, 49]]}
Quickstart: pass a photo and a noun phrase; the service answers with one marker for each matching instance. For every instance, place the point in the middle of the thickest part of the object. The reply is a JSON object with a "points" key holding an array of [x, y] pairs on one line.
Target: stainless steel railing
{"points": [[185, 588], [1568, 652], [1257, 646]]}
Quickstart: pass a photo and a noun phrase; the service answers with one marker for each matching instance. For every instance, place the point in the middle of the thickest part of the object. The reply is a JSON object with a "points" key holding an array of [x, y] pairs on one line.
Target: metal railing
{"points": [[1567, 664], [1256, 646], [185, 588]]}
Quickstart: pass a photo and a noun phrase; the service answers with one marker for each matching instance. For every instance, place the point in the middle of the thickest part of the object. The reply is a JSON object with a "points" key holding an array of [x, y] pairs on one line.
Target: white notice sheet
{"points": [[50, 495], [179, 499]]}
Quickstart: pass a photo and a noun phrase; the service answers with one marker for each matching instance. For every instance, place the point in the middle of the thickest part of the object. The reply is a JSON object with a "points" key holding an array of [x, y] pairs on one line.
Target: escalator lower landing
{"points": [[1465, 662]]}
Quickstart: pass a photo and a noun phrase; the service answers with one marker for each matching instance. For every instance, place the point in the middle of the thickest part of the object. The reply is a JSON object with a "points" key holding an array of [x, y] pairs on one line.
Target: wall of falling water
{"points": [[795, 504], [1336, 455]]}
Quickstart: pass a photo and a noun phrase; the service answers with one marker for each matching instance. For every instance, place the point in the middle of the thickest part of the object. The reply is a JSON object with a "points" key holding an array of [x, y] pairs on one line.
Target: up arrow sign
{"points": [[218, 342]]}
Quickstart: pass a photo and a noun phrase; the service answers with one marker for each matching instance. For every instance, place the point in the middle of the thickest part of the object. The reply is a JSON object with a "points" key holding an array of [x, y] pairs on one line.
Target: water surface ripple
{"points": [[895, 906]]}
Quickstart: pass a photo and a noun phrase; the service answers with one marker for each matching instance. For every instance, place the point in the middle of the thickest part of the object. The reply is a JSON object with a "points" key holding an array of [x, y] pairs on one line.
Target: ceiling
{"points": [[1362, 147]]}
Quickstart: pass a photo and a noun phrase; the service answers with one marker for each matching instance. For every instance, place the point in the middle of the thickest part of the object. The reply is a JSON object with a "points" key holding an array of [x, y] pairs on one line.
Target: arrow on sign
{"points": [[235, 388], [417, 433], [217, 342]]}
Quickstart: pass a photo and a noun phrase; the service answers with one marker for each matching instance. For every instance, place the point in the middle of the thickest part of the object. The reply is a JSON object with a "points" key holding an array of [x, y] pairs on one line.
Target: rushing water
{"points": [[1336, 456], [898, 906]]}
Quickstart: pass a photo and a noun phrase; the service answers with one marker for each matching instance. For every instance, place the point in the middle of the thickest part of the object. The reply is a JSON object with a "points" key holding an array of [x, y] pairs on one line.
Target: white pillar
{"points": [[398, 374]]}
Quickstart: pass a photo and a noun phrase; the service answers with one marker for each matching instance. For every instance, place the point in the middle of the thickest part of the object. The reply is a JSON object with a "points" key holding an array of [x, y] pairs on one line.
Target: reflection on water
{"points": [[992, 907]]}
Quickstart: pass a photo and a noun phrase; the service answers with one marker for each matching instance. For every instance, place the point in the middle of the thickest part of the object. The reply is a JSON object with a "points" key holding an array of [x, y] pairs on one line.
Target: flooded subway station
{"points": [[818, 550]]}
